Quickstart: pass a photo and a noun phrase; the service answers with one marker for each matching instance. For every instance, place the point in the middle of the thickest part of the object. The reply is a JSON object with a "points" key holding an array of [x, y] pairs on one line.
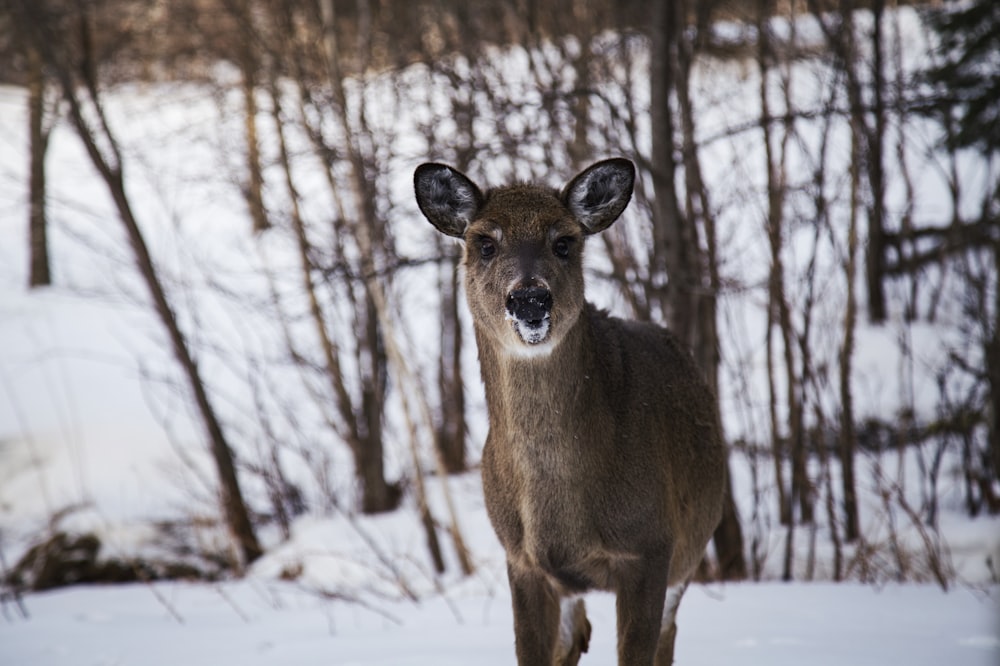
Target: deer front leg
{"points": [[641, 593], [536, 616]]}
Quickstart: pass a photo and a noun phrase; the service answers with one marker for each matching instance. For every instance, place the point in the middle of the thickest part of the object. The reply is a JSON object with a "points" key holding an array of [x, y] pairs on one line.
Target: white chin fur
{"points": [[534, 341], [532, 335]]}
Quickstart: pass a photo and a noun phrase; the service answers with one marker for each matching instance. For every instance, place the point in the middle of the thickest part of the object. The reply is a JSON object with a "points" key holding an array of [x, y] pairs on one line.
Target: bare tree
{"points": [[76, 74], [280, 43], [451, 389], [778, 309], [248, 54], [38, 133], [848, 437], [253, 188], [959, 89], [369, 229], [679, 252]]}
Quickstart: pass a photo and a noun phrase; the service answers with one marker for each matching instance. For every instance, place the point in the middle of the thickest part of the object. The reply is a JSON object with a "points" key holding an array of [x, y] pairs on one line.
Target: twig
{"points": [[335, 595], [232, 604], [166, 604]]}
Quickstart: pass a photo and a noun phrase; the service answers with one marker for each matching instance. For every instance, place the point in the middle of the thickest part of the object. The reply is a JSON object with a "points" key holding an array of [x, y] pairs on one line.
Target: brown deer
{"points": [[603, 467]]}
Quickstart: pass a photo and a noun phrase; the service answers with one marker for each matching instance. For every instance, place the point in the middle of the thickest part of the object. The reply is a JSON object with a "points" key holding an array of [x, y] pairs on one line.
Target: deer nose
{"points": [[529, 304]]}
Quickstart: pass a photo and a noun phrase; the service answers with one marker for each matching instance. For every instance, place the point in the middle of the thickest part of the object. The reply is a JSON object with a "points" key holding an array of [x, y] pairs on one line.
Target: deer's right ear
{"points": [[447, 198]]}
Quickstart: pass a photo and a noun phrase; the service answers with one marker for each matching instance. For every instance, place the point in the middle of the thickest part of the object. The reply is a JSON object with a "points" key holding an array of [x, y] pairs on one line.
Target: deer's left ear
{"points": [[599, 194]]}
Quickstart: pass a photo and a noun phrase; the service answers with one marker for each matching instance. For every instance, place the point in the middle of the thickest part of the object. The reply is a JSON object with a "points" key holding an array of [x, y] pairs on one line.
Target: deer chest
{"points": [[549, 517]]}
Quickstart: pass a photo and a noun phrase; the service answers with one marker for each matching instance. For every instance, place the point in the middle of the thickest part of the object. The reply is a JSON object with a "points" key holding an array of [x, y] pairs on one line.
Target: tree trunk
{"points": [[775, 208], [451, 432], [863, 144], [39, 271], [993, 371], [848, 436], [840, 37], [237, 517], [689, 306], [254, 188], [876, 215], [673, 248], [377, 495]]}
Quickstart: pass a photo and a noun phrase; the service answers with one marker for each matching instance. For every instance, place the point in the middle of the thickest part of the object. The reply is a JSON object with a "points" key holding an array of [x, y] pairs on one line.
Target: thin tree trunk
{"points": [[993, 370], [39, 272], [847, 441], [451, 433], [787, 570], [848, 436], [830, 503], [779, 310], [452, 428], [840, 37], [359, 427], [237, 516], [801, 485], [876, 216], [669, 248], [775, 201], [690, 307], [254, 188], [331, 355]]}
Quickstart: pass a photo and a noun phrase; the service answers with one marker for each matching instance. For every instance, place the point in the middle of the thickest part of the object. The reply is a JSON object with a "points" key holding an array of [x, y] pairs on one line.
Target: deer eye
{"points": [[487, 248], [562, 247]]}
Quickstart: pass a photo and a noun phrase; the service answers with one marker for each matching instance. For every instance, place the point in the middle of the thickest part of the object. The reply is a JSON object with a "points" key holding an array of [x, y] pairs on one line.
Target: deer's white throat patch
{"points": [[534, 337], [533, 332]]}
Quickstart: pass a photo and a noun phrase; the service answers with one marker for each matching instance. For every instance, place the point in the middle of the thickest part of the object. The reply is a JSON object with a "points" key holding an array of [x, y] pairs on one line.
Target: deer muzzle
{"points": [[529, 308]]}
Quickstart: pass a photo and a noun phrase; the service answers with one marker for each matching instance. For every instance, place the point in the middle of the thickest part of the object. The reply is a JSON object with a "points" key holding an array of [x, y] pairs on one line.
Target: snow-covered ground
{"points": [[263, 622]]}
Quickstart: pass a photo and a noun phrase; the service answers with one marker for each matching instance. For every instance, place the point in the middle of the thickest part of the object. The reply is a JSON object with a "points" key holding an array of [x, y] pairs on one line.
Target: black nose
{"points": [[530, 304]]}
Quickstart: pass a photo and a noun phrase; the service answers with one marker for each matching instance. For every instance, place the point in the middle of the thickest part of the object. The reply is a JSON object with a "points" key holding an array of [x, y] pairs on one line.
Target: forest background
{"points": [[816, 216]]}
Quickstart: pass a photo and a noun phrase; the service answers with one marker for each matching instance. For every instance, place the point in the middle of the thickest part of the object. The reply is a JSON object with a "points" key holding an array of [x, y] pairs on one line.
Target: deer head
{"points": [[524, 246]]}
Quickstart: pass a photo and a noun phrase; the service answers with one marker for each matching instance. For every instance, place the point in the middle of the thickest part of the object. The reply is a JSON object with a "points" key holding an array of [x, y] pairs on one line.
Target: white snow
{"points": [[264, 622]]}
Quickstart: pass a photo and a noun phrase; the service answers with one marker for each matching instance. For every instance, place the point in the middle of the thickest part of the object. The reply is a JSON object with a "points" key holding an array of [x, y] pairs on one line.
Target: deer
{"points": [[603, 467]]}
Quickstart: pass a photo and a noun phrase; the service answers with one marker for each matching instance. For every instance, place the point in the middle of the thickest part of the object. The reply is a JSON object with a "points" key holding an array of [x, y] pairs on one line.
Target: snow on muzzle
{"points": [[530, 308]]}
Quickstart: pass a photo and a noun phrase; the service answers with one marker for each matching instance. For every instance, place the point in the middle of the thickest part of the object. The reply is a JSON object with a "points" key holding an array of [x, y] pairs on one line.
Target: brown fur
{"points": [[603, 467]]}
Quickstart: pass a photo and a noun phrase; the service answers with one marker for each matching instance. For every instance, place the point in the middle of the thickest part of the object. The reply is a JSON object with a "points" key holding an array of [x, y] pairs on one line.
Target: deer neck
{"points": [[533, 399]]}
